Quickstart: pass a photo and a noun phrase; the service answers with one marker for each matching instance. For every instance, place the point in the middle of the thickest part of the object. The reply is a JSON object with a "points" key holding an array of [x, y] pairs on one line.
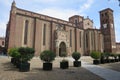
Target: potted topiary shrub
{"points": [[13, 52], [116, 57], [47, 56], [64, 64], [102, 58], [119, 57], [76, 56], [107, 55], [112, 57], [26, 54], [96, 56]]}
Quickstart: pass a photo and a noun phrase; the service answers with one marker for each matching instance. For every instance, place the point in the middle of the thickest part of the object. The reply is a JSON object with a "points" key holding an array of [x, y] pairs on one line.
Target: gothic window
{"points": [[80, 38], [70, 38], [44, 34], [106, 14], [76, 22], [26, 32], [86, 40], [92, 39]]}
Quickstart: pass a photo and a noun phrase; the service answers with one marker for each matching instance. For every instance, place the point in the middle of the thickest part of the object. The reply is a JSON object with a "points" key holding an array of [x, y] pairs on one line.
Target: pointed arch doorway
{"points": [[62, 48]]}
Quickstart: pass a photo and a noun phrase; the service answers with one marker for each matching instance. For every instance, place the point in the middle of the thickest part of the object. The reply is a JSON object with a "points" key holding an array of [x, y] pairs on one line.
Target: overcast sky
{"points": [[63, 9]]}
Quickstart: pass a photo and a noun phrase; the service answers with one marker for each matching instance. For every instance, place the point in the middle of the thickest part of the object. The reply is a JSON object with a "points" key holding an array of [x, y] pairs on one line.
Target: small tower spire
{"points": [[13, 3]]}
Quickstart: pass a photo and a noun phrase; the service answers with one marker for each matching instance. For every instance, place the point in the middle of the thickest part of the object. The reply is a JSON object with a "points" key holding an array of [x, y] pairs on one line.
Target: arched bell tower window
{"points": [[26, 31], [76, 22]]}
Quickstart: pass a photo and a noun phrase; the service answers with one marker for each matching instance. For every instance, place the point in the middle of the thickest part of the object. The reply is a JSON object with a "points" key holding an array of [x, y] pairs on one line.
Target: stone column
{"points": [[57, 51]]}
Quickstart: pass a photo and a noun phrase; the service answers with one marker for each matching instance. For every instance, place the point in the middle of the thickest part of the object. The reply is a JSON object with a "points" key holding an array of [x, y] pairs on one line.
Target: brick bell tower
{"points": [[108, 30]]}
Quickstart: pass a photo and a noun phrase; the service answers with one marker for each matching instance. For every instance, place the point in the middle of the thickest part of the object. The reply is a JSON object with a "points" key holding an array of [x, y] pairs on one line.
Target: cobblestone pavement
{"points": [[10, 72]]}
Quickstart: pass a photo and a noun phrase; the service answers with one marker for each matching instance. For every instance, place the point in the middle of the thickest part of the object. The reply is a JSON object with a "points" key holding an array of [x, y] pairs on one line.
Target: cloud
{"points": [[5, 2], [2, 28], [53, 11], [86, 5], [46, 1], [117, 27], [59, 13]]}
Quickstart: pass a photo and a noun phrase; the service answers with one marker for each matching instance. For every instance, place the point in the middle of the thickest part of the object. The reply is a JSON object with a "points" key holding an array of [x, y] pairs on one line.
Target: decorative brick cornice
{"points": [[44, 17]]}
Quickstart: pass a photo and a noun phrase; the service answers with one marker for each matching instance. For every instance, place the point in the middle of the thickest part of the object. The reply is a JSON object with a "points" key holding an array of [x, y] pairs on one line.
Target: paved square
{"points": [[9, 72]]}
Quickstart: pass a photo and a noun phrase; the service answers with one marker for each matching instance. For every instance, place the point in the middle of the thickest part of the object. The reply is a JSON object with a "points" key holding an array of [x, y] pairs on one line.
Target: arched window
{"points": [[76, 22], [70, 38], [26, 32], [80, 38], [86, 40], [44, 34]]}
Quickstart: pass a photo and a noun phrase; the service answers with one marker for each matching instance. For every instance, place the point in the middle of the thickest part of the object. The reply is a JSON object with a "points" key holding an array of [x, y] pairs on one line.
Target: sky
{"points": [[63, 9]]}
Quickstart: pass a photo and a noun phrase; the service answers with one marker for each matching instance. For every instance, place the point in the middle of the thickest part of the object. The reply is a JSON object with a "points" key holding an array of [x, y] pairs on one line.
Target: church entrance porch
{"points": [[61, 40], [62, 48]]}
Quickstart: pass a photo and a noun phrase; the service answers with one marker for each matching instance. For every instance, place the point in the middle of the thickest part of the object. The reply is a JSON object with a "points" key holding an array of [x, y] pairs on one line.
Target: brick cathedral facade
{"points": [[41, 32]]}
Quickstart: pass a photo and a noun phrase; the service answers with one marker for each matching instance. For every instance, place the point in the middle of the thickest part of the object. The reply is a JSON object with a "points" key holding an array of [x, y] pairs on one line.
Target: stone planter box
{"points": [[64, 65], [24, 67], [96, 62], [77, 63], [47, 66]]}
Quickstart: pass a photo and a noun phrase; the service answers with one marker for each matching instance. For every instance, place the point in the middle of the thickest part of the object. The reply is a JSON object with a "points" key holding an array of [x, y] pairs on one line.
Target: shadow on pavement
{"points": [[8, 66]]}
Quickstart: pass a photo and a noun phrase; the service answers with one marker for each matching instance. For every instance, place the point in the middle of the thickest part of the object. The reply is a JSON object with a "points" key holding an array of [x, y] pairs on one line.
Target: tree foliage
{"points": [[76, 55], [47, 56], [95, 55]]}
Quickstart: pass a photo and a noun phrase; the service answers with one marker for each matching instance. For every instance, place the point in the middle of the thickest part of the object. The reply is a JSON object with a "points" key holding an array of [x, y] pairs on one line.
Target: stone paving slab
{"points": [[107, 74], [101, 71]]}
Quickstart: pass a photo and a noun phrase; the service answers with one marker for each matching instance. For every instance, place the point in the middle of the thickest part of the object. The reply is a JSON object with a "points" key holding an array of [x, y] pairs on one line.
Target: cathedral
{"points": [[42, 32]]}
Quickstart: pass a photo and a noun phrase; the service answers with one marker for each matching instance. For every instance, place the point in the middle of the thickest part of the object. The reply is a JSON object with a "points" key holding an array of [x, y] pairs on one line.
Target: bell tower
{"points": [[108, 30]]}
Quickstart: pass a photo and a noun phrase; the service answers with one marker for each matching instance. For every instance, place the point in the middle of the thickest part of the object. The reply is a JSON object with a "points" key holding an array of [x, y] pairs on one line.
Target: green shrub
{"points": [[47, 56], [26, 53], [107, 55], [119, 55], [95, 55], [13, 52], [102, 55], [76, 55]]}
